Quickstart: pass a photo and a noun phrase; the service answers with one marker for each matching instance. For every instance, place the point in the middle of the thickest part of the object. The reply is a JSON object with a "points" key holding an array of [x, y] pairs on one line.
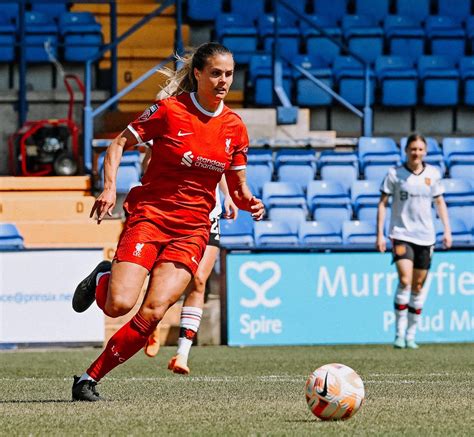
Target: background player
{"points": [[195, 140], [413, 186]]}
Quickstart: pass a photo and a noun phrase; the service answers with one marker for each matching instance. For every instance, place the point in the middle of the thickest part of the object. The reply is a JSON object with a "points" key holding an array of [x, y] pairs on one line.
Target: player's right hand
{"points": [[104, 204]]}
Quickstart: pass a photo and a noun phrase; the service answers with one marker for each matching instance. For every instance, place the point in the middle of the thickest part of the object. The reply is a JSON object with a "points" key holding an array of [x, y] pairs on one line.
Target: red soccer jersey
{"points": [[191, 150]]}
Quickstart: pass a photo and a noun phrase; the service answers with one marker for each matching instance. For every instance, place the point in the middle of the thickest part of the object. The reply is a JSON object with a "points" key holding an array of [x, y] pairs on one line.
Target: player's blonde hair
{"points": [[183, 80]]}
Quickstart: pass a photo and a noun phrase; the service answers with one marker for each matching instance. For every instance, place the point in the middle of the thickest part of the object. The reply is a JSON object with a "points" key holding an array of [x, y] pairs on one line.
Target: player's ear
{"points": [[196, 73]]}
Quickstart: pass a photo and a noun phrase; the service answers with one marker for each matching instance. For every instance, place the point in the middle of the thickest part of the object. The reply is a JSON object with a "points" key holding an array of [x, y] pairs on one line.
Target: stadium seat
{"points": [[439, 80], [369, 214], [293, 216], [458, 151], [52, 9], [301, 175], [458, 192], [238, 33], [203, 10], [260, 156], [326, 193], [250, 10], [128, 173], [470, 33], [398, 81], [39, 28], [445, 36], [268, 233], [464, 213], [288, 35], [335, 9], [377, 150], [418, 9], [364, 194], [350, 78], [308, 94], [377, 9], [405, 36], [11, 11], [363, 36], [460, 233], [295, 157], [332, 213], [237, 232], [283, 194], [359, 232], [319, 233], [317, 43], [82, 35], [377, 171], [258, 175], [457, 9], [466, 71], [10, 238], [342, 167], [7, 40]]}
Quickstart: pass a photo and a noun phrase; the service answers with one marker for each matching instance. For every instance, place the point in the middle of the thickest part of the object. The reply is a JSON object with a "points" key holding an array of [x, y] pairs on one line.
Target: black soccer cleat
{"points": [[85, 391], [84, 295]]}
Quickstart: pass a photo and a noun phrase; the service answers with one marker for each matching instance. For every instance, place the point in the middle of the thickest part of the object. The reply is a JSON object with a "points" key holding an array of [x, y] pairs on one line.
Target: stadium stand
{"points": [[237, 232], [283, 194], [7, 39], [317, 43], [319, 233], [39, 28], [10, 237], [358, 232], [294, 217], [270, 233]]}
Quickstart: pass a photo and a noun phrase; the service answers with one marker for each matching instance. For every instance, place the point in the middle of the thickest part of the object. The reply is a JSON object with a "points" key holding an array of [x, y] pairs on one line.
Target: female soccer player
{"points": [[413, 187], [196, 139]]}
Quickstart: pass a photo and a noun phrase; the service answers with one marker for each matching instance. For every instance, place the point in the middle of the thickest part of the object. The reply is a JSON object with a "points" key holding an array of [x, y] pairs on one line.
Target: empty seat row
{"points": [[10, 237], [394, 81], [78, 33]]}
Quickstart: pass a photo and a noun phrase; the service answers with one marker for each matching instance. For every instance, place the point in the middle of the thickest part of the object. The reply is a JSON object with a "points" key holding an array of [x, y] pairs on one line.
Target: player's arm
{"points": [[443, 215], [146, 158], [105, 203], [230, 209], [241, 195], [381, 213]]}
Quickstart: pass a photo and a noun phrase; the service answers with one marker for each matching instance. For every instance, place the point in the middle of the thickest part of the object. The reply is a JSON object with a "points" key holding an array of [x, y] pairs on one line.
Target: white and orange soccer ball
{"points": [[334, 391]]}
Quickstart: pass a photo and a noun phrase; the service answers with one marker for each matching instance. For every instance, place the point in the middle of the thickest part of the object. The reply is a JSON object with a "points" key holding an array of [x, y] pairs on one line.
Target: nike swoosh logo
{"points": [[324, 392], [194, 260], [183, 134]]}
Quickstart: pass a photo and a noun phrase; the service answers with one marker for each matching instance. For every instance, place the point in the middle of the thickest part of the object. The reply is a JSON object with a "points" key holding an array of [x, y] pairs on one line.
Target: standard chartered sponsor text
{"points": [[210, 164]]}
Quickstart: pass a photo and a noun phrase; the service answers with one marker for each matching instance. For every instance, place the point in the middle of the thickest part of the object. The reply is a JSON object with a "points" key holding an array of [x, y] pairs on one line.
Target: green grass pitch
{"points": [[239, 391]]}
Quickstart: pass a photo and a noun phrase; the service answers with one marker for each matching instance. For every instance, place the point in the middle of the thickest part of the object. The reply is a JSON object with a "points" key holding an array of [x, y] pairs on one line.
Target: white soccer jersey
{"points": [[217, 211], [412, 195]]}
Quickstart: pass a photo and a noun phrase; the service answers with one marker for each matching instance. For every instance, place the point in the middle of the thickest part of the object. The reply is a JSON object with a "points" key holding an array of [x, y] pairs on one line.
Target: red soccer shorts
{"points": [[142, 243]]}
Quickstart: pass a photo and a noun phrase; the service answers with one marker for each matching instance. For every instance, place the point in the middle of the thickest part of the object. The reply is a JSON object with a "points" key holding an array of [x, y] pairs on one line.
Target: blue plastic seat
{"points": [[295, 156], [459, 192], [446, 36], [359, 232], [326, 193], [319, 233], [204, 10], [288, 35], [460, 232], [342, 167], [39, 28], [363, 36], [283, 194], [317, 43], [418, 9], [456, 9], [376, 150], [365, 193], [237, 232], [258, 175], [53, 9], [335, 9], [82, 35], [470, 33], [466, 71], [238, 33], [260, 156], [439, 80], [376, 171], [11, 11], [458, 151], [332, 213], [10, 237], [301, 175], [7, 40], [293, 216], [398, 81], [462, 171], [250, 10], [464, 213], [350, 78], [404, 36], [269, 233], [377, 9]]}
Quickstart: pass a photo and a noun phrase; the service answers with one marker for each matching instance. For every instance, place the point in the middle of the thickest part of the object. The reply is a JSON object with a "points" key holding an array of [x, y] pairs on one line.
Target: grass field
{"points": [[232, 391]]}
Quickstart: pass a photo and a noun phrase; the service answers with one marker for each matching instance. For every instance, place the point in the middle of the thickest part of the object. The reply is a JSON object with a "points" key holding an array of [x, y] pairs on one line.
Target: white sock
{"points": [[99, 275], [414, 311], [189, 324], [402, 297], [86, 377]]}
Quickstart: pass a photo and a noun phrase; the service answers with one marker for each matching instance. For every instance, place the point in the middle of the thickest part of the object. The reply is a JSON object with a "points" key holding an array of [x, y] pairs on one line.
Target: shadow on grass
{"points": [[37, 401]]}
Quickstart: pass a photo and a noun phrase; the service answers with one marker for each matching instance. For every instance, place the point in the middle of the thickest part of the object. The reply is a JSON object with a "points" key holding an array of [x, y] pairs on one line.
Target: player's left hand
{"points": [[257, 209], [230, 209], [447, 240]]}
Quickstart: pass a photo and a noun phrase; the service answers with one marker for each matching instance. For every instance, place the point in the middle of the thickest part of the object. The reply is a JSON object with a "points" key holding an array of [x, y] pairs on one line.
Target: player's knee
{"points": [[200, 282], [155, 312], [405, 281], [118, 305], [416, 287]]}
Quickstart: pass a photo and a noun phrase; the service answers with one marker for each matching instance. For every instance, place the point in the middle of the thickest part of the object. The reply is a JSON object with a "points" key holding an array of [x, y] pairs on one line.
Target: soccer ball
{"points": [[334, 391]]}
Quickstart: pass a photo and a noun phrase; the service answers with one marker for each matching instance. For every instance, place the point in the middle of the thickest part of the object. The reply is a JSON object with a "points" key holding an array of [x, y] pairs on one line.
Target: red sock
{"points": [[101, 291], [125, 343]]}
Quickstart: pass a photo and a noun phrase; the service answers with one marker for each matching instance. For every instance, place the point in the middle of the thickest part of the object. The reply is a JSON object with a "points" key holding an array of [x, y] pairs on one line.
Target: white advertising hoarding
{"points": [[36, 288]]}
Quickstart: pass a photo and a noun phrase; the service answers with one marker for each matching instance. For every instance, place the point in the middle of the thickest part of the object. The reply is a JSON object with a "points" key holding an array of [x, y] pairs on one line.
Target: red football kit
{"points": [[168, 215]]}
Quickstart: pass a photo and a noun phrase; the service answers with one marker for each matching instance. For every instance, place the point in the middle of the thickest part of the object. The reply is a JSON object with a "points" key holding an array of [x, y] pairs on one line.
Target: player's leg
{"points": [[403, 258], [168, 281], [422, 264], [191, 312]]}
